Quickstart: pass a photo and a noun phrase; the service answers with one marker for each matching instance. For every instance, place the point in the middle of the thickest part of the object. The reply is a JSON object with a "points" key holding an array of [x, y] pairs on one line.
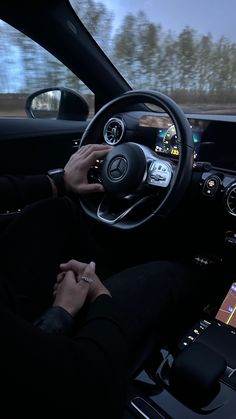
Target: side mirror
{"points": [[57, 103]]}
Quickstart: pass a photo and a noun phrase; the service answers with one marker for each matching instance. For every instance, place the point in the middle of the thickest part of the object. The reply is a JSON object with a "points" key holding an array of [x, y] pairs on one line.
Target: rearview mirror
{"points": [[57, 103]]}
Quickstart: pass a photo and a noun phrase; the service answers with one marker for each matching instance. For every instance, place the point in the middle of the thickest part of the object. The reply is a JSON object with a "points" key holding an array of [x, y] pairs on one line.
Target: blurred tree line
{"points": [[187, 66]]}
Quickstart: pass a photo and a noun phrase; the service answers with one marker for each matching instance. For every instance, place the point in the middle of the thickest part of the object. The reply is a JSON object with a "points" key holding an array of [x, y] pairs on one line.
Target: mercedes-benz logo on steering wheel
{"points": [[117, 168]]}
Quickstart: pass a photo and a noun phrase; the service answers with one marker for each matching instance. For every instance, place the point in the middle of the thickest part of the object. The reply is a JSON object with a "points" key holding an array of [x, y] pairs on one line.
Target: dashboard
{"points": [[211, 208], [214, 137], [212, 195]]}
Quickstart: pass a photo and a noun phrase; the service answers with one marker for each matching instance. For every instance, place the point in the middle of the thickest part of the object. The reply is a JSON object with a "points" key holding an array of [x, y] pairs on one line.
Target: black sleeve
{"points": [[55, 320], [84, 376], [18, 191]]}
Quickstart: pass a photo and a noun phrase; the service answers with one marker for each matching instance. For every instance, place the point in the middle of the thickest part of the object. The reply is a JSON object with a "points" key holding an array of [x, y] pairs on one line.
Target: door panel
{"points": [[34, 146]]}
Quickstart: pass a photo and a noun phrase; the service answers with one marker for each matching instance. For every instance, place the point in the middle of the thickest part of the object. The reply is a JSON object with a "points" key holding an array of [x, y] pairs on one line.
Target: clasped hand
{"points": [[76, 283]]}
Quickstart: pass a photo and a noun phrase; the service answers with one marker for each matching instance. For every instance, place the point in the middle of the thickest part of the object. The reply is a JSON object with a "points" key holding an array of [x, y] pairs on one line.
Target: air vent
{"points": [[113, 131], [231, 199]]}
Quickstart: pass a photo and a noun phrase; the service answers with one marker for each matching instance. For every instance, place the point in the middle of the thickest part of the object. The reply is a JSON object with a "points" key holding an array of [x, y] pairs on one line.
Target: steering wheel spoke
{"points": [[112, 212]]}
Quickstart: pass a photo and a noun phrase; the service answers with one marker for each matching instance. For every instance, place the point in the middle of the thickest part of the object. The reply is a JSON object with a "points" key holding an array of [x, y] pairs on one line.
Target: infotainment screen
{"points": [[227, 311]]}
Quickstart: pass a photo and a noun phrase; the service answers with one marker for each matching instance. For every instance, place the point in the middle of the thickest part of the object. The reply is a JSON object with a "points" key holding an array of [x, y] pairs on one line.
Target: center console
{"points": [[199, 378]]}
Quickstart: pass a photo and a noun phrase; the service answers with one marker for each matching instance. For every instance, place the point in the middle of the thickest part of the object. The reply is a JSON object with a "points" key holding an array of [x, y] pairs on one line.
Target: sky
{"points": [[215, 16]]}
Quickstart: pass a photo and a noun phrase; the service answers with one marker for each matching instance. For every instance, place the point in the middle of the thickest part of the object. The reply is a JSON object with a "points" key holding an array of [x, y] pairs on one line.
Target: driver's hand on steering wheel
{"points": [[76, 169]]}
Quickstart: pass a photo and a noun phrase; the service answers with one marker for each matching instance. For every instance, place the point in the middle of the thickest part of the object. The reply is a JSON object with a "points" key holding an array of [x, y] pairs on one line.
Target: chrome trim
{"points": [[230, 371], [122, 215], [115, 140], [148, 404], [139, 410], [10, 212], [231, 188]]}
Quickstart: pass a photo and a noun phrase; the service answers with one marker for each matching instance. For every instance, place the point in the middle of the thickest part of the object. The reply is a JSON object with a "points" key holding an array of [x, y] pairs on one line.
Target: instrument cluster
{"points": [[167, 141]]}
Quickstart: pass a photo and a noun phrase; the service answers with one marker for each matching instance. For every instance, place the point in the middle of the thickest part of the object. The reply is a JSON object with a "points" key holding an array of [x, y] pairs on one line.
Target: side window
{"points": [[26, 67]]}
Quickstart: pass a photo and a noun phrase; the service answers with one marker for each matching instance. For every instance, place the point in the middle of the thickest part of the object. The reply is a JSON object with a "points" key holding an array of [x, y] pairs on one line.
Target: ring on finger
{"points": [[86, 279]]}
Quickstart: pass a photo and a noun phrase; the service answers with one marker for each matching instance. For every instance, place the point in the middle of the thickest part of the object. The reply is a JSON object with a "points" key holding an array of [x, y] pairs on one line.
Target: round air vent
{"points": [[113, 131], [231, 199]]}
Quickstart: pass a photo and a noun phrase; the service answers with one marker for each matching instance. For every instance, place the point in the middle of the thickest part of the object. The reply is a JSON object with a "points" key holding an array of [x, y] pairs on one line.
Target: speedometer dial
{"points": [[170, 142]]}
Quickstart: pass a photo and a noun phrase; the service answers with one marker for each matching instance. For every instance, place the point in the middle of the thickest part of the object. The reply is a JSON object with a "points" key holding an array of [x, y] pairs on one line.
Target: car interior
{"points": [[170, 183]]}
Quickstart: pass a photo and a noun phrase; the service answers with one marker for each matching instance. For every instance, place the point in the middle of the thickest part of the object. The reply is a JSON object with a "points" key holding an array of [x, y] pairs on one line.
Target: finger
{"points": [[73, 265], [60, 277], [90, 158], [84, 282], [55, 286], [89, 271], [69, 275], [90, 188], [89, 148], [83, 289]]}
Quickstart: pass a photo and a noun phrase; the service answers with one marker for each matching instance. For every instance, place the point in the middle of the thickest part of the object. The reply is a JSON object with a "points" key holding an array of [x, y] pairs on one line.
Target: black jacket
{"points": [[83, 376], [45, 372], [18, 191]]}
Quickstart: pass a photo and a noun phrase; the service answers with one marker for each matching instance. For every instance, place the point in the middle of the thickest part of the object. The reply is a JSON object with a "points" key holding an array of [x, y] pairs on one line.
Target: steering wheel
{"points": [[138, 183]]}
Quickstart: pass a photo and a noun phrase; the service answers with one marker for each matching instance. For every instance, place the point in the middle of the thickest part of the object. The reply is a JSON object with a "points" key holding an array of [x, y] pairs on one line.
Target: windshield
{"points": [[185, 49]]}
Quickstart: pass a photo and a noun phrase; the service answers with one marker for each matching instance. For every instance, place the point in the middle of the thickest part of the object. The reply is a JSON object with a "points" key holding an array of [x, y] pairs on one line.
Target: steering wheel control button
{"points": [[159, 173], [211, 186]]}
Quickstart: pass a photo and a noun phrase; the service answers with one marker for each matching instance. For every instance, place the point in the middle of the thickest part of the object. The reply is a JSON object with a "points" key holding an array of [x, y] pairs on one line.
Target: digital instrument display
{"points": [[164, 139], [227, 311], [167, 141]]}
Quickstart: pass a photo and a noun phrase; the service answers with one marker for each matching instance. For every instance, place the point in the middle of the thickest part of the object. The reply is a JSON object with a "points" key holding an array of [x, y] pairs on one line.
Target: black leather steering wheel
{"points": [[138, 183]]}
